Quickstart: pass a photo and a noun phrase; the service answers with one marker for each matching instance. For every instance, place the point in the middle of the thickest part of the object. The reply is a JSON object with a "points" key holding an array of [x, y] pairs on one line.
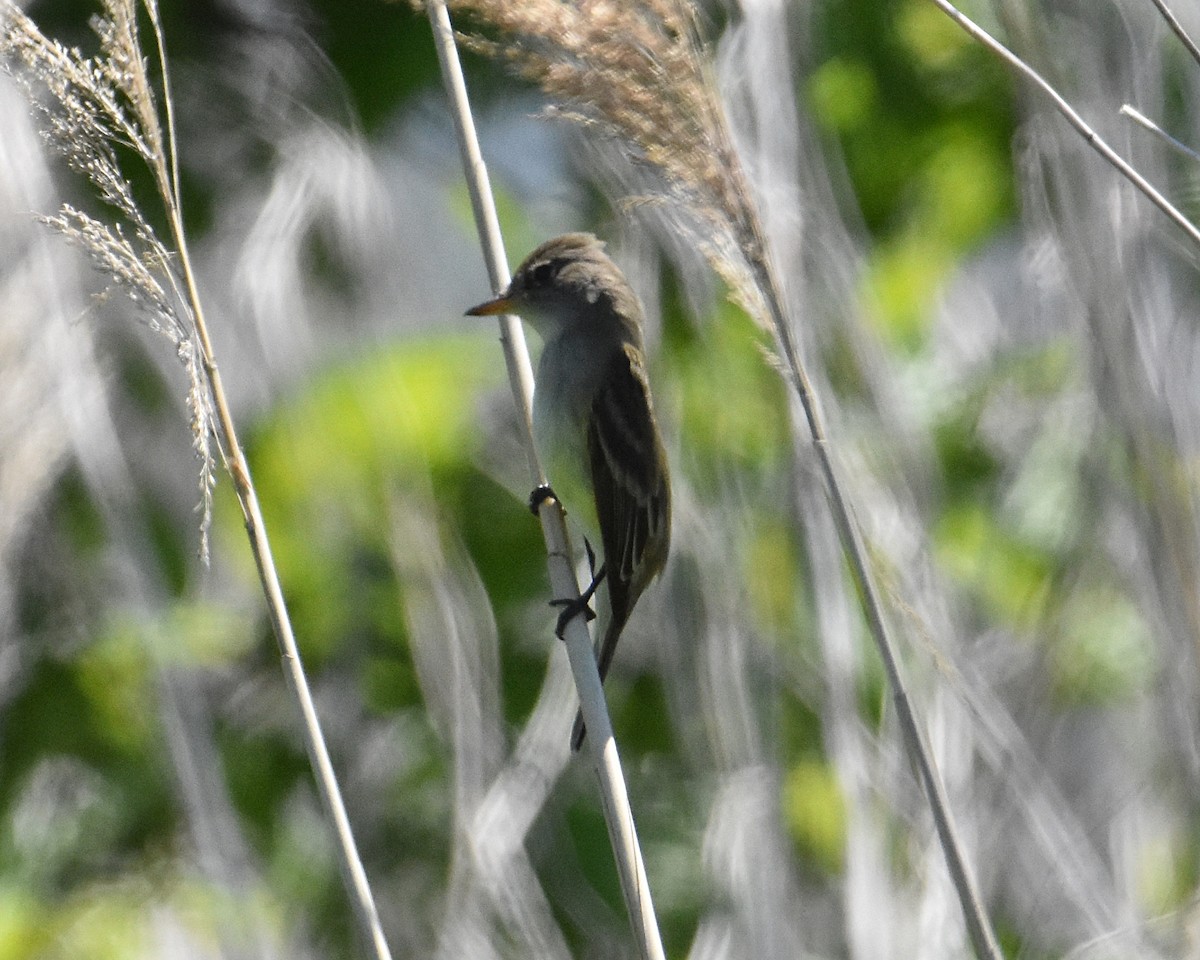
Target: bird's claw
{"points": [[541, 493], [572, 608]]}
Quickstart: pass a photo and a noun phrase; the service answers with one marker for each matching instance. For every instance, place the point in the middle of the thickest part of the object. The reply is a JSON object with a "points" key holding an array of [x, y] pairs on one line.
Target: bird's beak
{"points": [[502, 304]]}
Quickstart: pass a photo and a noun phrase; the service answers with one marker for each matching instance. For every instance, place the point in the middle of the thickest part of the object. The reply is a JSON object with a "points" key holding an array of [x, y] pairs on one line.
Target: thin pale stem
{"points": [[168, 105], [1090, 136], [758, 256], [614, 795], [1173, 22], [353, 873], [978, 923], [1144, 121]]}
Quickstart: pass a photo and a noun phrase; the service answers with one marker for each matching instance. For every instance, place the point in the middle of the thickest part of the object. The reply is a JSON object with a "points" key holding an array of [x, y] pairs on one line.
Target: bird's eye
{"points": [[543, 273]]}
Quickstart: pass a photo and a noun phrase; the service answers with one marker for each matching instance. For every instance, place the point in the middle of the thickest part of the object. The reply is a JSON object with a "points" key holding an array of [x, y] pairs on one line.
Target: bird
{"points": [[594, 424]]}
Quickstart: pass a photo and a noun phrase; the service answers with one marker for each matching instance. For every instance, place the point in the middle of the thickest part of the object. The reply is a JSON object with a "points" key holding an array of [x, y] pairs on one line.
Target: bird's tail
{"points": [[611, 635]]}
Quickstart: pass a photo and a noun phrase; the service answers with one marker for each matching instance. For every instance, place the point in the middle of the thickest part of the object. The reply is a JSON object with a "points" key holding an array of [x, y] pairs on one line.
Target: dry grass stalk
{"points": [[98, 106]]}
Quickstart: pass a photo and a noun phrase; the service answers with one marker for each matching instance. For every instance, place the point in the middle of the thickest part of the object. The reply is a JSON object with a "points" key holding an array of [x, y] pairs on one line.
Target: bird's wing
{"points": [[631, 487]]}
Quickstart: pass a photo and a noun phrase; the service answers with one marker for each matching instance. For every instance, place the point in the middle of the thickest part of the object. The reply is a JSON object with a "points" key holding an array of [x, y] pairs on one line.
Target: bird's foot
{"points": [[573, 607]]}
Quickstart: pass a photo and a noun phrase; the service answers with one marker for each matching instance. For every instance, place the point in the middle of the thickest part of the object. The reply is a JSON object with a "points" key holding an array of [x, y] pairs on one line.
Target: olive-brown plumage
{"points": [[593, 415]]}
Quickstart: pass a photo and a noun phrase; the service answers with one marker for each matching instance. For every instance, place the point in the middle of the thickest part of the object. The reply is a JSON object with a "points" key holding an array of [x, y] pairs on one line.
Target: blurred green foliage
{"points": [[332, 458], [815, 814], [703, 372], [923, 116], [924, 120]]}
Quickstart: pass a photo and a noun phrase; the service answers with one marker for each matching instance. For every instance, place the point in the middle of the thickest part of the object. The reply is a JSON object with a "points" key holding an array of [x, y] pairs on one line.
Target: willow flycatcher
{"points": [[593, 419]]}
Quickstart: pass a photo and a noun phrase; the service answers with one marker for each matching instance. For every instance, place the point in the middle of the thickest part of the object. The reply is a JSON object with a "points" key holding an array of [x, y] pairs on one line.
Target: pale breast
{"points": [[561, 407]]}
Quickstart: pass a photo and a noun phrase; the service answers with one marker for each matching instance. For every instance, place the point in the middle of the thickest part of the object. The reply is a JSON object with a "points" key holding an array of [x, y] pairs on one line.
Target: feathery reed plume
{"points": [[637, 73], [98, 105]]}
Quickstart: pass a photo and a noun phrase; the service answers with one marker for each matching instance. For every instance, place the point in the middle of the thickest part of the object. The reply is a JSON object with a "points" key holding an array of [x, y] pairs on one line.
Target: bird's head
{"points": [[566, 281]]}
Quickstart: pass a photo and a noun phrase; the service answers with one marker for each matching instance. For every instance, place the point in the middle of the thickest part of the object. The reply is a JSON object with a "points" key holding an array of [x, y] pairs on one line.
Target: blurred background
{"points": [[1004, 338]]}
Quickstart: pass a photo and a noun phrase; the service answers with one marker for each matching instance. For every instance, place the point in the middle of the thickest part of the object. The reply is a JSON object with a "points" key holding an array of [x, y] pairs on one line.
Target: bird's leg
{"points": [[541, 493], [591, 555], [579, 605], [571, 608]]}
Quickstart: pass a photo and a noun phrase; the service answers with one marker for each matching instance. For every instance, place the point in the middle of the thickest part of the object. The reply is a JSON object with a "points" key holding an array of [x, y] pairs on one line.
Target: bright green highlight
{"points": [[843, 94], [1167, 874], [1102, 651], [731, 405], [964, 187], [903, 278], [772, 574], [332, 459], [930, 37], [24, 924], [815, 814], [1011, 578], [115, 675]]}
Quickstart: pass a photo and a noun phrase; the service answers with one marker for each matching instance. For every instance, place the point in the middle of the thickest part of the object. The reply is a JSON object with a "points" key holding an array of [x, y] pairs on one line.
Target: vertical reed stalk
{"points": [[614, 796]]}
